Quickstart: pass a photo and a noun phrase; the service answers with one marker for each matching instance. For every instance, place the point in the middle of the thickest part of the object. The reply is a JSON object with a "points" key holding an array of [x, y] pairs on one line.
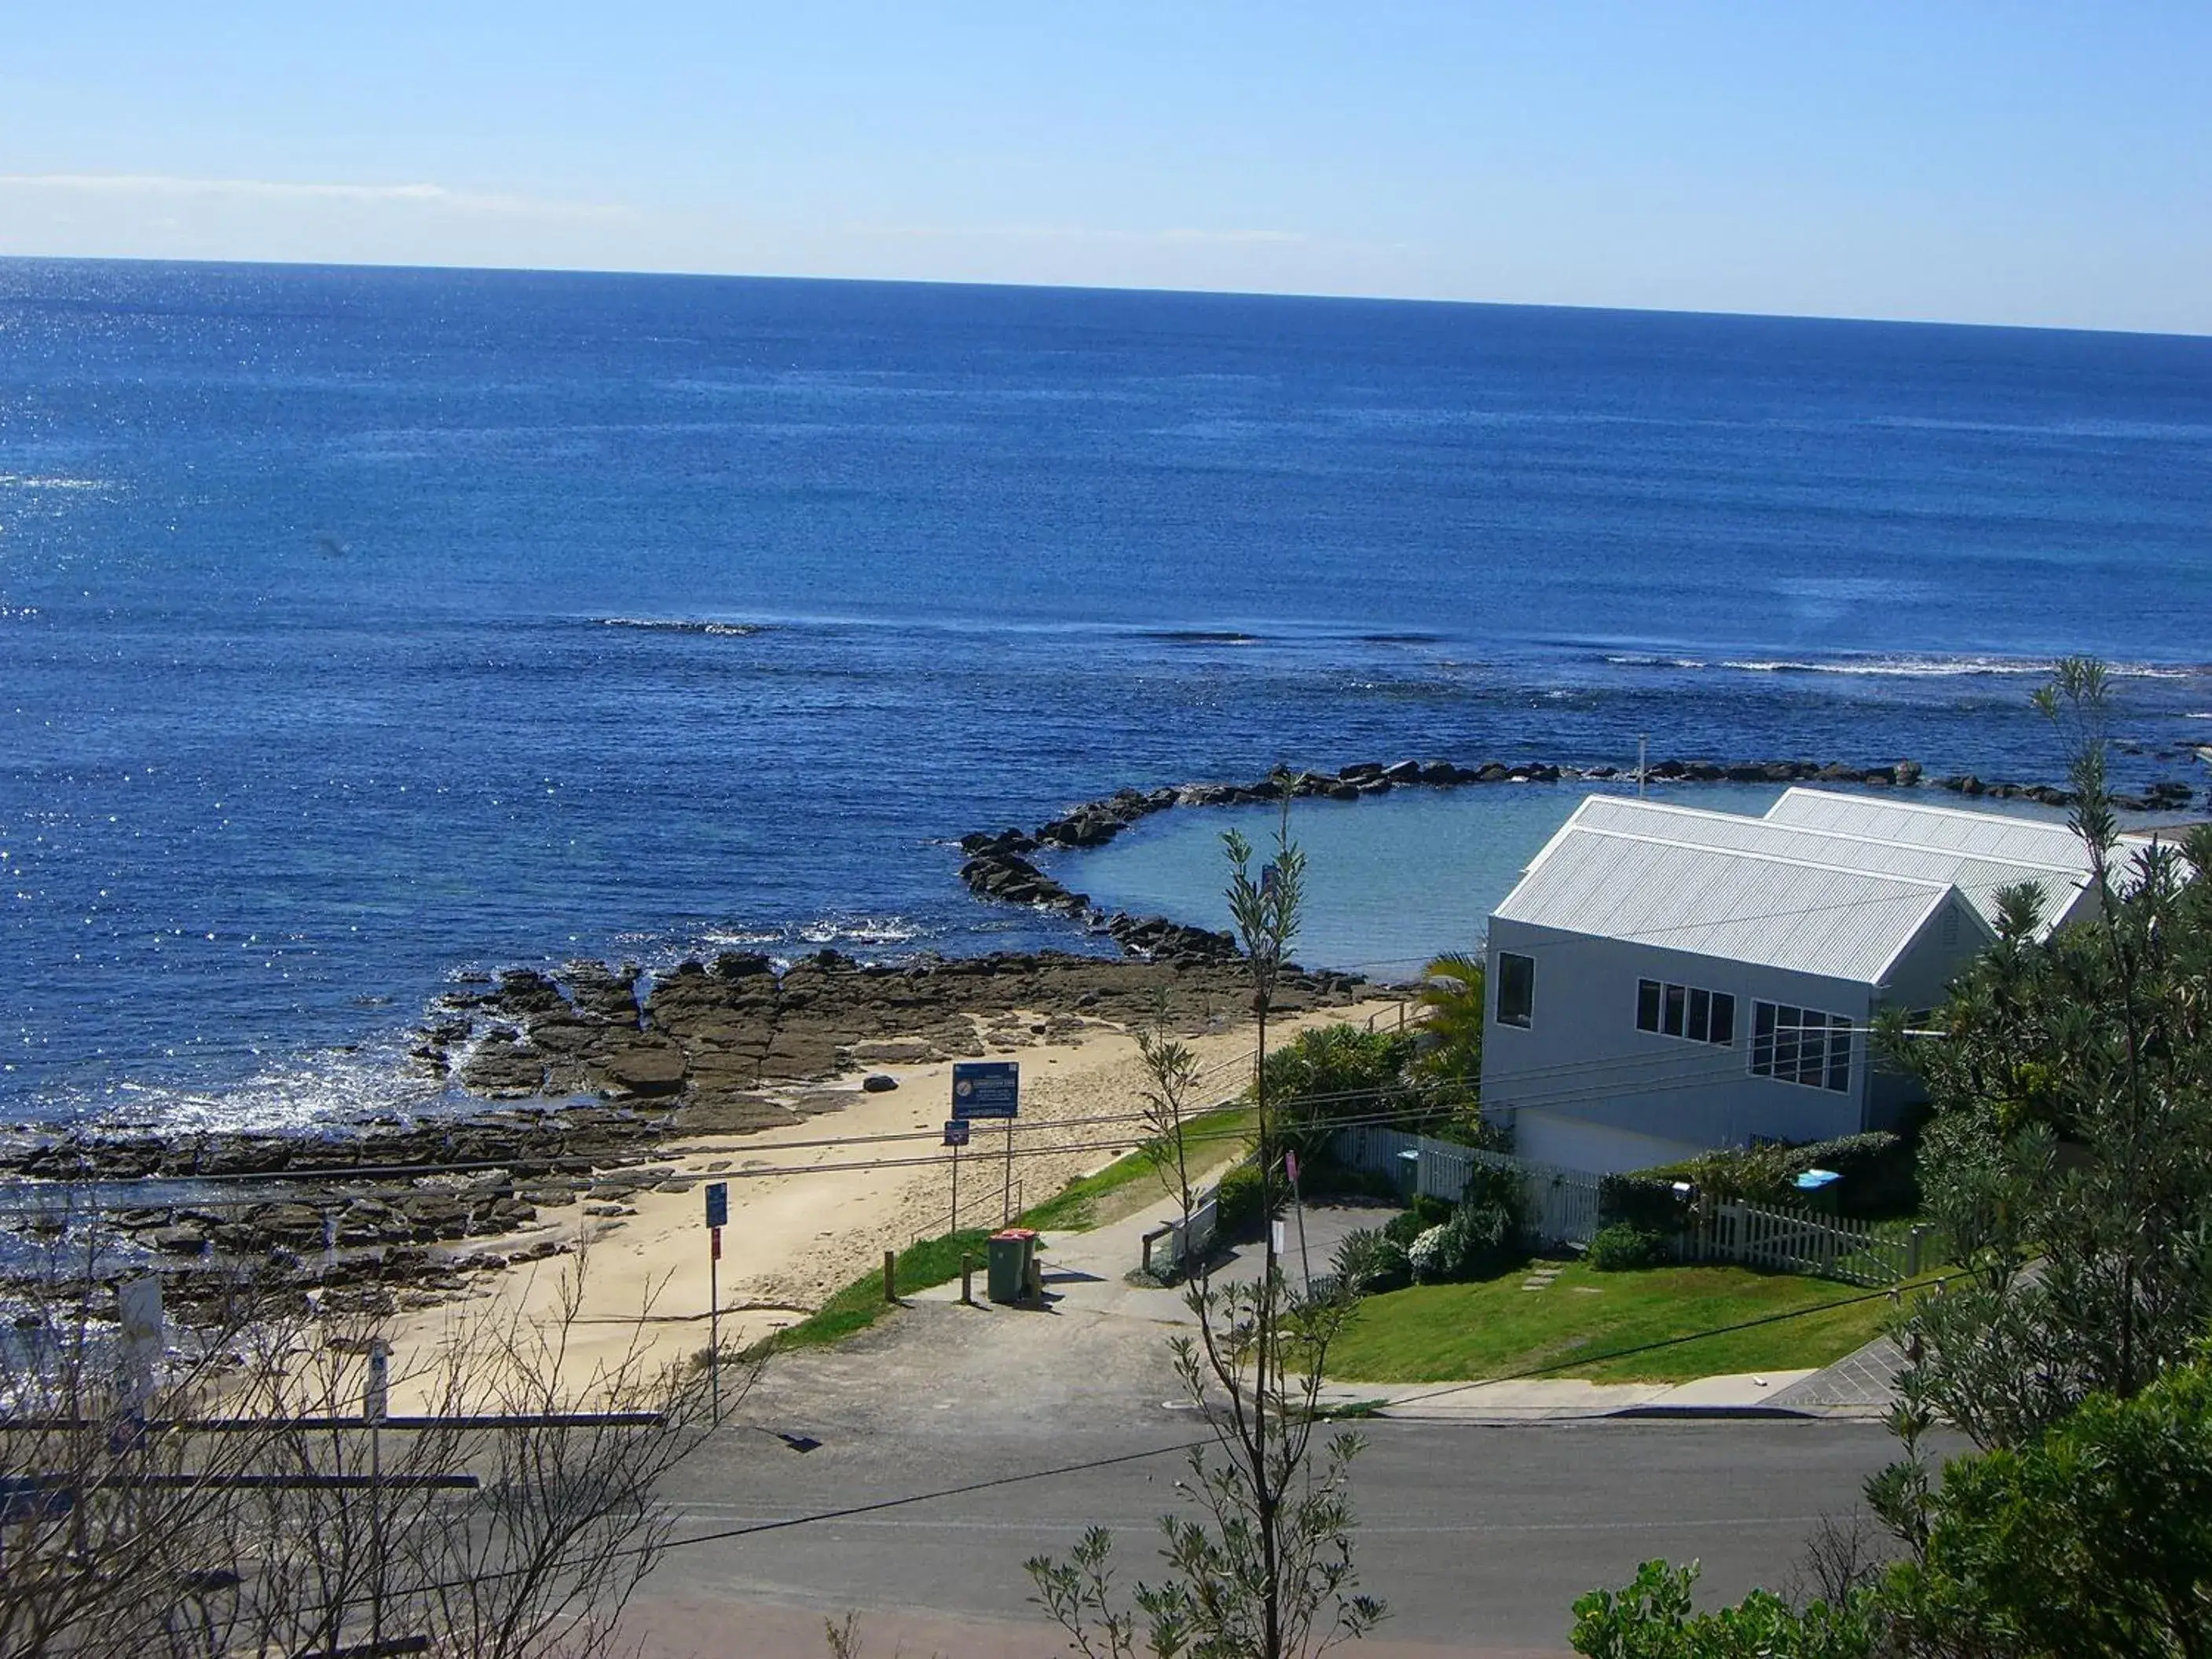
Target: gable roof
{"points": [[1980, 872], [1675, 893]]}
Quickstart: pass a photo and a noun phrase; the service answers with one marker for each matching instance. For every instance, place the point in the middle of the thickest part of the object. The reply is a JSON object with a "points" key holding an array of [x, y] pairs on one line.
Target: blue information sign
{"points": [[956, 1132], [717, 1204], [987, 1088]]}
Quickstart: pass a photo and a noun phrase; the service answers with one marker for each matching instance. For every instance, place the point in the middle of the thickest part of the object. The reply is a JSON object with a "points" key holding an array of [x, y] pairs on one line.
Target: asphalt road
{"points": [[1478, 1537]]}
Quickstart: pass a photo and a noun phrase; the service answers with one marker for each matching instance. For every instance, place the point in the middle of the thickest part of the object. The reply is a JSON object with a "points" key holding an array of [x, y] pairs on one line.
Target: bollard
{"points": [[890, 1276], [966, 1279]]}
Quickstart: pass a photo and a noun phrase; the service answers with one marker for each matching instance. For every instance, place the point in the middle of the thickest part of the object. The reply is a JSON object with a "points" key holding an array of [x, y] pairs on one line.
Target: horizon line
{"points": [[1302, 296]]}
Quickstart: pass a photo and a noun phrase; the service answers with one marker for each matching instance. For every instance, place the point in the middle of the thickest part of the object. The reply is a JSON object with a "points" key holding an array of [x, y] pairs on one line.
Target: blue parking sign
{"points": [[717, 1204]]}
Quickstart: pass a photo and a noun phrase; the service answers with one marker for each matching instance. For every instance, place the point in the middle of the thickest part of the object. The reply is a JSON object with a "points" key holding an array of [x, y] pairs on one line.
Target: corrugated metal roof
{"points": [[1980, 878], [1957, 830], [1719, 901]]}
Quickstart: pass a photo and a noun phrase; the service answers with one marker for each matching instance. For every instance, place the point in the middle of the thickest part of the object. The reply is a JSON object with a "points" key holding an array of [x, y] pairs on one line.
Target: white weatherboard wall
{"points": [[1584, 1087]]}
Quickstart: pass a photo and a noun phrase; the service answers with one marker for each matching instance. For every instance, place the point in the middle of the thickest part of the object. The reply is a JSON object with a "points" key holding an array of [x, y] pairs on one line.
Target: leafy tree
{"points": [[1328, 1074], [1263, 1569], [1652, 1618], [2069, 1151], [2094, 1537], [1449, 1057]]}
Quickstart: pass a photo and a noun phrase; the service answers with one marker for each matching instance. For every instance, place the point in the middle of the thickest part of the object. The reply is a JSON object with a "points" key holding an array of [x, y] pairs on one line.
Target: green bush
{"points": [[1368, 1262], [1240, 1202], [1479, 1242], [1647, 1203], [1493, 1187], [1877, 1169], [1331, 1073], [1426, 1212], [1623, 1248]]}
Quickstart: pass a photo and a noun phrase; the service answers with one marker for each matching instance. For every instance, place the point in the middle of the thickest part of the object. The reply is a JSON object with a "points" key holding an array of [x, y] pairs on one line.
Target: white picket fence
{"points": [[1560, 1206], [1798, 1241]]}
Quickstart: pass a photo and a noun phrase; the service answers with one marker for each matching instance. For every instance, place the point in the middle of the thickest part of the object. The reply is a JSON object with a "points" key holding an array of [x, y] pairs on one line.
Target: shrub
{"points": [[1479, 1242], [1647, 1203], [1425, 1257], [1495, 1186], [1877, 1171], [1368, 1263], [1240, 1202], [1426, 1212], [1623, 1248]]}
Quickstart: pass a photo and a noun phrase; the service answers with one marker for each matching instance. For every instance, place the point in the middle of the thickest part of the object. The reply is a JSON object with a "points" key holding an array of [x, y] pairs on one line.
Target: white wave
{"points": [[34, 481], [1632, 661], [1913, 667], [681, 625], [860, 930], [325, 1089]]}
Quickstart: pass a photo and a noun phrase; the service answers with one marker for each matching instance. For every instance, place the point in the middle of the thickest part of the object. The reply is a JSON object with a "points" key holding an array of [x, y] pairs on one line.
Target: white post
{"points": [[375, 1401]]}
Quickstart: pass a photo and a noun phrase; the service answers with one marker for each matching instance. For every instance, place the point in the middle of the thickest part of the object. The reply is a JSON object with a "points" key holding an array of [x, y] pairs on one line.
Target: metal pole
{"points": [[1643, 744], [1305, 1262], [714, 1319], [376, 1535], [955, 1186], [1006, 1204]]}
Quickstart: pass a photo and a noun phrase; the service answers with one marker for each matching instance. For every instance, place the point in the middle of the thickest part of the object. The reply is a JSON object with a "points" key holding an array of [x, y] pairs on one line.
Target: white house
{"points": [[1664, 980]]}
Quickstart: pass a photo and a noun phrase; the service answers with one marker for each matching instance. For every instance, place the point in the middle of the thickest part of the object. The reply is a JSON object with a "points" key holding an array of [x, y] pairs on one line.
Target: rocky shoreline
{"points": [[712, 1048], [734, 1046], [999, 864]]}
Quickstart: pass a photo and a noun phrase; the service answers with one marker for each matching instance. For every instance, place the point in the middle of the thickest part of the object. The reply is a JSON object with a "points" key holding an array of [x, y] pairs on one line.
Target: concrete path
{"points": [[1860, 1384]]}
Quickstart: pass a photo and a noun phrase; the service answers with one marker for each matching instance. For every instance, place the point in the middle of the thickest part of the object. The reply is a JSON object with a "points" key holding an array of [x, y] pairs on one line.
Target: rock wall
{"points": [[998, 865]]}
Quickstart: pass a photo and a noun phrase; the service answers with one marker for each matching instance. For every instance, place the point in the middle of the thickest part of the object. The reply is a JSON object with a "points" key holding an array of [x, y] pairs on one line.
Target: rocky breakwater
{"points": [[715, 1043], [999, 864]]}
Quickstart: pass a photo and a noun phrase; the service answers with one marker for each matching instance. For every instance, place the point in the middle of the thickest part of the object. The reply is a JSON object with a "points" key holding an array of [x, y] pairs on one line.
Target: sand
{"points": [[814, 1206]]}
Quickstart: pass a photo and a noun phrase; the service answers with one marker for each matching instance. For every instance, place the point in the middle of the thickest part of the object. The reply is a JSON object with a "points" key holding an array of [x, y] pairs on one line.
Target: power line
{"points": [[1089, 1465]]}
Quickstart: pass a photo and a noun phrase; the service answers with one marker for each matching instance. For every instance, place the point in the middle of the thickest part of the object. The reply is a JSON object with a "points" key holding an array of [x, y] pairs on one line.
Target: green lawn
{"points": [[1493, 1328], [1129, 1183], [1084, 1202]]}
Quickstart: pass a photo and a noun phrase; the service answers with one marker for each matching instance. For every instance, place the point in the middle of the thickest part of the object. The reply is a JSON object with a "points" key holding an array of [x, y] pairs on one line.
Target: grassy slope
{"points": [[1452, 1333], [1084, 1202]]}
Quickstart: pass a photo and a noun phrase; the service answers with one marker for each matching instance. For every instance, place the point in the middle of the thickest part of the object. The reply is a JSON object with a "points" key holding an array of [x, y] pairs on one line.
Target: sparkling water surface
{"points": [[359, 628]]}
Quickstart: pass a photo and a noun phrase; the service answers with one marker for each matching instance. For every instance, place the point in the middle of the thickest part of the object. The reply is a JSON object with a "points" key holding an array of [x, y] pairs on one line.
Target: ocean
{"points": [[363, 629]]}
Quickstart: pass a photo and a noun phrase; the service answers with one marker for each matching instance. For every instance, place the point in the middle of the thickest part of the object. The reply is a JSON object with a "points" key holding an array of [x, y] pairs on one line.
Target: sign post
{"points": [[991, 1088], [375, 1402], [718, 1217], [955, 1137]]}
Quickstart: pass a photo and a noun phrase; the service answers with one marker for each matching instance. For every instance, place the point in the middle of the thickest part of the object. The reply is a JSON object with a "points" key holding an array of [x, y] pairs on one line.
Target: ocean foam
{"points": [[681, 625]]}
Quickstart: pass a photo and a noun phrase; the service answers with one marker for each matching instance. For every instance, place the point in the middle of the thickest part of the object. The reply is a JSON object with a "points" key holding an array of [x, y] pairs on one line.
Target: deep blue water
{"points": [[359, 628]]}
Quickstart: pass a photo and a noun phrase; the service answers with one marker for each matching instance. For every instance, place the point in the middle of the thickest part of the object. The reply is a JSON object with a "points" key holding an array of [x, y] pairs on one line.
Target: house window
{"points": [[1517, 988], [1686, 1010], [1801, 1045]]}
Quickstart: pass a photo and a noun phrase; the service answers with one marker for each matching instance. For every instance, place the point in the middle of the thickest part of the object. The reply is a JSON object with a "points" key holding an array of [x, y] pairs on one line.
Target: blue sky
{"points": [[2013, 164]]}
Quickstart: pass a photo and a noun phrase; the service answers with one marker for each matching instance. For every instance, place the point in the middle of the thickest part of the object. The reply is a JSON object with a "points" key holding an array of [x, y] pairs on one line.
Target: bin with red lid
{"points": [[1013, 1249]]}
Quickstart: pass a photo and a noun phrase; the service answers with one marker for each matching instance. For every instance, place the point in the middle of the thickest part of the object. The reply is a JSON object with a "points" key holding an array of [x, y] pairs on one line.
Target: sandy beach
{"points": [[814, 1205]]}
